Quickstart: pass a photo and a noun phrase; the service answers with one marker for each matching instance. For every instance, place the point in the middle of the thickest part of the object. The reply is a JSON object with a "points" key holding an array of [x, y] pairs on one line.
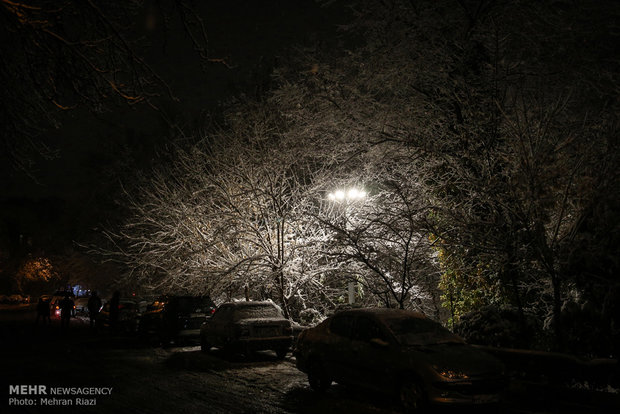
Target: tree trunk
{"points": [[546, 257], [511, 276], [282, 298], [558, 329]]}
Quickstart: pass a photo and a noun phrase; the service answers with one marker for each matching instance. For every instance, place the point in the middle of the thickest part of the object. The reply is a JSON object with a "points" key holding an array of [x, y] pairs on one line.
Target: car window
{"points": [[367, 329], [342, 325]]}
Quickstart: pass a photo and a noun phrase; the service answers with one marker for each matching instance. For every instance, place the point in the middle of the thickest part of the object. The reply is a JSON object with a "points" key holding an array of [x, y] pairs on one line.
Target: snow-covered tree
{"points": [[229, 216]]}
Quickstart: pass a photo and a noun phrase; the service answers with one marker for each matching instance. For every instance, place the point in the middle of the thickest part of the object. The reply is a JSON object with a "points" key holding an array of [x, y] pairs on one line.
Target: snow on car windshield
{"points": [[418, 331], [257, 312]]}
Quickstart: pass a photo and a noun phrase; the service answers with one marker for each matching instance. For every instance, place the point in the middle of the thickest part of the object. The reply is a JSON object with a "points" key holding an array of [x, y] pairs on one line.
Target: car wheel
{"points": [[412, 396], [318, 377], [204, 345]]}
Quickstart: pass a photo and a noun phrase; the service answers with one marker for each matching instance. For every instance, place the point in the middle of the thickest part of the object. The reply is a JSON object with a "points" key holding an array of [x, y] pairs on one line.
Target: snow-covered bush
{"points": [[310, 317]]}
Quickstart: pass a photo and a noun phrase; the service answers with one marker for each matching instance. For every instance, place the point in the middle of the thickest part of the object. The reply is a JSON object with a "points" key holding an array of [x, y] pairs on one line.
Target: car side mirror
{"points": [[378, 343]]}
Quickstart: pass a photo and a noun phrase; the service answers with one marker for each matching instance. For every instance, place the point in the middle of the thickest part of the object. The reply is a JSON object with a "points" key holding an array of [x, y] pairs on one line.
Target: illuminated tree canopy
{"points": [[484, 134]]}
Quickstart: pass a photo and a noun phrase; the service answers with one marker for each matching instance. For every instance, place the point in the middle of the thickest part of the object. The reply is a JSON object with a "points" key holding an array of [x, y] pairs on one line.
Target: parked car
{"points": [[81, 305], [175, 318], [16, 299], [246, 327], [128, 315], [55, 301], [398, 352]]}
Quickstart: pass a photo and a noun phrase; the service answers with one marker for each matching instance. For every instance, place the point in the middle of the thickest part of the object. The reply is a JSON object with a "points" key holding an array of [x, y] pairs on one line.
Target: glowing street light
{"points": [[349, 195]]}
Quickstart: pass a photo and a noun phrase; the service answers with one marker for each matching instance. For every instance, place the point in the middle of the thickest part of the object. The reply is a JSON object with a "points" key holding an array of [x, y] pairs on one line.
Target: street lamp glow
{"points": [[353, 194], [350, 194]]}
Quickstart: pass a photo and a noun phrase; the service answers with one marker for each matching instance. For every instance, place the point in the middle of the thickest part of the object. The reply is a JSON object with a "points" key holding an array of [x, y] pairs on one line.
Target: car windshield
{"points": [[419, 331], [257, 312]]}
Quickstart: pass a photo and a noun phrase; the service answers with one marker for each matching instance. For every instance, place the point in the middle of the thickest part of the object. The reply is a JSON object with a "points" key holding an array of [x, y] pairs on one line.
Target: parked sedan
{"points": [[247, 327], [175, 318], [128, 316], [390, 350], [17, 299], [81, 305]]}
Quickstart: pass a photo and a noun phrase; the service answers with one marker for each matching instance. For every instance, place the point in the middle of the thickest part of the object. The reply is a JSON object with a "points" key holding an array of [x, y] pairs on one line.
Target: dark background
{"points": [[59, 201]]}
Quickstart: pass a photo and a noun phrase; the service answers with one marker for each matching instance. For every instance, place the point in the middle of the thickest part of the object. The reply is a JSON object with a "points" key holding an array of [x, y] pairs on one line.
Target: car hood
{"points": [[459, 357]]}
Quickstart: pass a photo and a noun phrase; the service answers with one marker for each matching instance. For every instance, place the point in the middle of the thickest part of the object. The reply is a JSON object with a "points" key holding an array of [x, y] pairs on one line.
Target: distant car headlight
{"points": [[450, 373]]}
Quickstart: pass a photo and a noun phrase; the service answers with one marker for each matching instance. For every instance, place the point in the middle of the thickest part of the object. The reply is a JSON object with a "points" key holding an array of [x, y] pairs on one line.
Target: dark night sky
{"points": [[70, 189]]}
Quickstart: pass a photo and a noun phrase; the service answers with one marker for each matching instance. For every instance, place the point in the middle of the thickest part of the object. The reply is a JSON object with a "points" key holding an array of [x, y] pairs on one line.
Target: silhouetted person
{"points": [[66, 311], [43, 311], [114, 307], [94, 306]]}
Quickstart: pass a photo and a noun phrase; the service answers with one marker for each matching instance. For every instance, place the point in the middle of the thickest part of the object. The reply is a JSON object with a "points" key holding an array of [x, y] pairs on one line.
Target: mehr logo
{"points": [[27, 390]]}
